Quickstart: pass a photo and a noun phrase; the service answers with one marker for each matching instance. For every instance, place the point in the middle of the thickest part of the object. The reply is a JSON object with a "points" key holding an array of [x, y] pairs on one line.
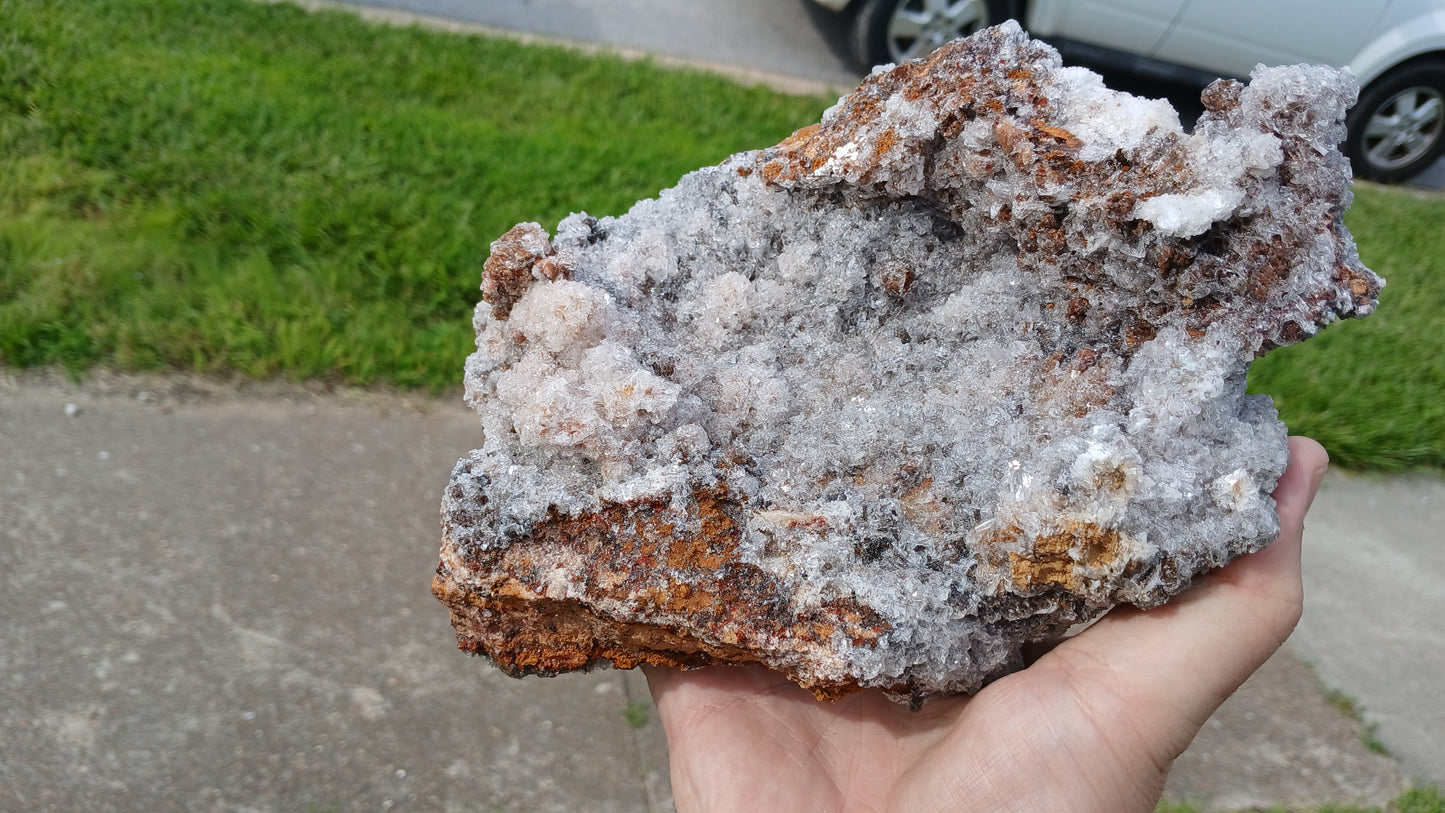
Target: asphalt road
{"points": [[793, 38], [215, 598]]}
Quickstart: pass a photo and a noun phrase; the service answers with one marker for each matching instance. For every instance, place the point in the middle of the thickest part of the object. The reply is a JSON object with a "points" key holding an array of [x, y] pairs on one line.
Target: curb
{"points": [[791, 85]]}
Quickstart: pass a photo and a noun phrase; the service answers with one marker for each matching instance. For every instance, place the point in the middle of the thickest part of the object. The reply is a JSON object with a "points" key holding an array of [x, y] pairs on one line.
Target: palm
{"points": [[776, 748], [791, 752], [1093, 725]]}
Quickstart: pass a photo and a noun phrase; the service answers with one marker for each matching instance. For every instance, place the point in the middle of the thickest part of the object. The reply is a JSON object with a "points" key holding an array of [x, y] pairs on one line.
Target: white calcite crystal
{"points": [[956, 368]]}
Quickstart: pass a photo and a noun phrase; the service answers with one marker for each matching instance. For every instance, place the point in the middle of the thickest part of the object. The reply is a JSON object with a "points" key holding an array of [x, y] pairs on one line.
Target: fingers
{"points": [[1169, 668], [1293, 497]]}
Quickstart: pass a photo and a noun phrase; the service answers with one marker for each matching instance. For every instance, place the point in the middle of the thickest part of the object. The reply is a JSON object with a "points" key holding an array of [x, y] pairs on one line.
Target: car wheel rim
{"points": [[919, 26], [1405, 128]]}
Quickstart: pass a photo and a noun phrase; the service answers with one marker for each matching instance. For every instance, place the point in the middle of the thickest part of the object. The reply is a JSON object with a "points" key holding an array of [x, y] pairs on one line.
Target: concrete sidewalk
{"points": [[216, 597]]}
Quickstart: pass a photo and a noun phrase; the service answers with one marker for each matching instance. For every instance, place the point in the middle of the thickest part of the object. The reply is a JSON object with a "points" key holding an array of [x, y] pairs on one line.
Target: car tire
{"points": [[1397, 129], [876, 37]]}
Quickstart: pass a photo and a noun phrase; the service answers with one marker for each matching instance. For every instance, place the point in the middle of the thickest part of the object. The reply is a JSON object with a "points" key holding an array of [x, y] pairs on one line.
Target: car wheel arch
{"points": [[1424, 73], [867, 36]]}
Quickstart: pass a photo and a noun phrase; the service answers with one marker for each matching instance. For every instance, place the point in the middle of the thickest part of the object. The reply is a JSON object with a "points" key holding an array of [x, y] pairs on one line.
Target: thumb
{"points": [[1174, 665]]}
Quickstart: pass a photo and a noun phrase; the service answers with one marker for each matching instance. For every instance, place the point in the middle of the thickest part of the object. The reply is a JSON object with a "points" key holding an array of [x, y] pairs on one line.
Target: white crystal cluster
{"points": [[922, 344]]}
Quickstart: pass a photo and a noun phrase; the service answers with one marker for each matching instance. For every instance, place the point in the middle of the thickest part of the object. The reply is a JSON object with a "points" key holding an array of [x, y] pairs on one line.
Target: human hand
{"points": [[1093, 725]]}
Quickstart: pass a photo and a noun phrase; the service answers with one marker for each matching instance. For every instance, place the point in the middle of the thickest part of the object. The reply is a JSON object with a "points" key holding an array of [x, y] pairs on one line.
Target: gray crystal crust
{"points": [[955, 369]]}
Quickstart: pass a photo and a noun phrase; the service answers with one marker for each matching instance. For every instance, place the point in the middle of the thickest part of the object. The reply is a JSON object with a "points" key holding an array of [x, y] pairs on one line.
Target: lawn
{"points": [[236, 186], [228, 186], [1373, 390]]}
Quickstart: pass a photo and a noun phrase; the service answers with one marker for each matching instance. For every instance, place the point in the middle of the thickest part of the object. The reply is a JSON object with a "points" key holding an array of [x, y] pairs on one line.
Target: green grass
{"points": [[228, 186], [1415, 800], [1420, 800], [636, 714], [1373, 390], [234, 186], [1350, 708]]}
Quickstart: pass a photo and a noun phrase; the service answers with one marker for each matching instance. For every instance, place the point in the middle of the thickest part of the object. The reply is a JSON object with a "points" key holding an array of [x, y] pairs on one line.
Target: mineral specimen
{"points": [[952, 370]]}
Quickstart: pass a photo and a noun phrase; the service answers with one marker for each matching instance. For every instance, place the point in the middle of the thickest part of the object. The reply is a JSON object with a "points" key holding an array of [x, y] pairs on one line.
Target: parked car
{"points": [[1396, 48]]}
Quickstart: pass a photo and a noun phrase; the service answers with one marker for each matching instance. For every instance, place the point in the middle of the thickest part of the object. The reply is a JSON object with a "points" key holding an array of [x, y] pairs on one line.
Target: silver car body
{"points": [[1230, 37]]}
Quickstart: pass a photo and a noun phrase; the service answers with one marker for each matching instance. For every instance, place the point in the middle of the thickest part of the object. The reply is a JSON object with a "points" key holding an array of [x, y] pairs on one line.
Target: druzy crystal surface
{"points": [[954, 369]]}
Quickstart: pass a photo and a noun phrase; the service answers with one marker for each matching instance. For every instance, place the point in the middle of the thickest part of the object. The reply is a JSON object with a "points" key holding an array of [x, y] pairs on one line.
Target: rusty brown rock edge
{"points": [[650, 583], [628, 561]]}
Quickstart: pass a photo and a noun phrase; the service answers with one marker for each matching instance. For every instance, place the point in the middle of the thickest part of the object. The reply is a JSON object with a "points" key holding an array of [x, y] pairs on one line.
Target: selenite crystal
{"points": [[955, 369]]}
